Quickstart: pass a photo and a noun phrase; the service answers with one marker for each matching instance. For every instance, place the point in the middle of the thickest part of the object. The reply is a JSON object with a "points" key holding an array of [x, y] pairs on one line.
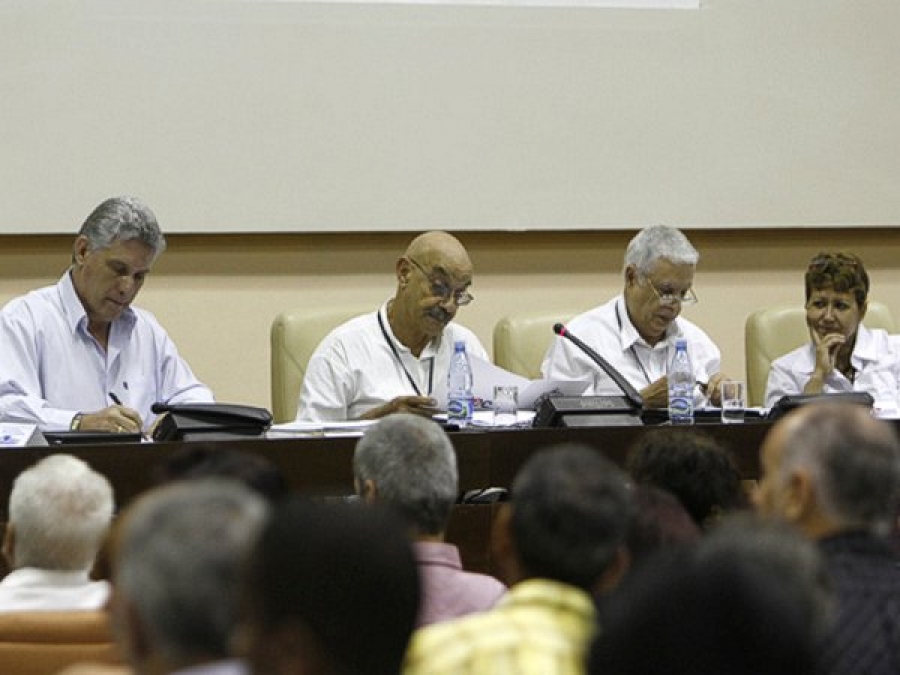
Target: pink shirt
{"points": [[448, 591]]}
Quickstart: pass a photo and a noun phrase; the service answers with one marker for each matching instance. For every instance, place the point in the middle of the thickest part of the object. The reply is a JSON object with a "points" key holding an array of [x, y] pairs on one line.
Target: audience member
{"points": [[660, 523], [692, 466], [834, 471], [408, 463], [393, 360], [59, 513], [177, 565], [77, 355], [561, 540], [636, 331], [842, 355], [332, 589], [750, 599]]}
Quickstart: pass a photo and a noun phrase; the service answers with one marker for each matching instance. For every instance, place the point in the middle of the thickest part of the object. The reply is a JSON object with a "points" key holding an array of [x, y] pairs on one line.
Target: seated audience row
{"points": [[208, 576], [80, 356]]}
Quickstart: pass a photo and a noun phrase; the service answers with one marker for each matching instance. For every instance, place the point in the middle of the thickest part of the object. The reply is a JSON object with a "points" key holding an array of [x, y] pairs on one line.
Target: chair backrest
{"points": [[774, 331], [43, 643], [295, 335], [521, 339]]}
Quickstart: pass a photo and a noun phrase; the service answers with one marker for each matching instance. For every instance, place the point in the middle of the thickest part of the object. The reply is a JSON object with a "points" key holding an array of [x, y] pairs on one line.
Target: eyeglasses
{"points": [[667, 297], [442, 290]]}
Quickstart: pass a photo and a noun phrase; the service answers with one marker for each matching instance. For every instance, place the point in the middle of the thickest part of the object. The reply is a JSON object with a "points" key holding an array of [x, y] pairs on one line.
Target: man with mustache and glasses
{"points": [[394, 359], [78, 355], [636, 331]]}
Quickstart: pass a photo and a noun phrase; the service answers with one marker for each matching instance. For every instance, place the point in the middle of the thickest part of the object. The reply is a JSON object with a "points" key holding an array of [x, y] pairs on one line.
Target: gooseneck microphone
{"points": [[630, 392]]}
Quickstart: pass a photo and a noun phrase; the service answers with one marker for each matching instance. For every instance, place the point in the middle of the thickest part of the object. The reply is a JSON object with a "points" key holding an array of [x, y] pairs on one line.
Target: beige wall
{"points": [[229, 115], [217, 295]]}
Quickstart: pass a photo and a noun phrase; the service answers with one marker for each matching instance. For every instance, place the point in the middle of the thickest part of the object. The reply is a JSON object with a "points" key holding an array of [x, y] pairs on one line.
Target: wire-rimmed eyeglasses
{"points": [[668, 297], [442, 290]]}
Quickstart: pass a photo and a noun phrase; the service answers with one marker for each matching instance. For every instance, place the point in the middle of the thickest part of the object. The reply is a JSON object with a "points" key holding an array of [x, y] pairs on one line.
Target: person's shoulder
{"points": [[447, 646], [359, 328], [796, 357], [33, 299], [879, 338], [594, 318]]}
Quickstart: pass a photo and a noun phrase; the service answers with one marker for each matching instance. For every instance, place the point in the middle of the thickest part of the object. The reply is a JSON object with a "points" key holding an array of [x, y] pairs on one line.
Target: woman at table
{"points": [[843, 355]]}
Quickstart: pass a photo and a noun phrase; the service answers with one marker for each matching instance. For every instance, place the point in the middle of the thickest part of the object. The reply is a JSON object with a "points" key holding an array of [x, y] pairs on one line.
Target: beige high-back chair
{"points": [[295, 335], [522, 339], [43, 643], [774, 331]]}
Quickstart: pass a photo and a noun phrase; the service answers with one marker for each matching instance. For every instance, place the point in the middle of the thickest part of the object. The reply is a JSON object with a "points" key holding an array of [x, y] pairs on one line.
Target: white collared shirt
{"points": [[52, 368], [354, 368], [29, 589], [875, 357], [609, 331]]}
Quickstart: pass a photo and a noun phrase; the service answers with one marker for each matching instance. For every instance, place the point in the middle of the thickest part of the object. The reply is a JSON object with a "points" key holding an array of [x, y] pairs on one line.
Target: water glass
{"points": [[506, 404], [734, 401]]}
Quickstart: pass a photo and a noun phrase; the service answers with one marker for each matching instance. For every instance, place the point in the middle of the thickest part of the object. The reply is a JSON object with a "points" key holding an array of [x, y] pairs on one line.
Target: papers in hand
{"points": [[487, 376]]}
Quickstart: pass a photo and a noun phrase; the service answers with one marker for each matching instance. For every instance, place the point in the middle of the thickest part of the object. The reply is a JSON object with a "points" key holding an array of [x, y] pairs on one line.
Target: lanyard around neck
{"points": [[631, 349], [387, 338]]}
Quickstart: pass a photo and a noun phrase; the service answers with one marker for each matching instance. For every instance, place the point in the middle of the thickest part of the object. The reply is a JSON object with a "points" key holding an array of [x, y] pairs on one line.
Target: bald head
{"points": [[440, 249], [831, 467]]}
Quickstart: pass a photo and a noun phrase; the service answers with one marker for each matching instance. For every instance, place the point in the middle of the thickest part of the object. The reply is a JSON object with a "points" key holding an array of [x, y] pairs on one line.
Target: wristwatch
{"points": [[76, 422]]}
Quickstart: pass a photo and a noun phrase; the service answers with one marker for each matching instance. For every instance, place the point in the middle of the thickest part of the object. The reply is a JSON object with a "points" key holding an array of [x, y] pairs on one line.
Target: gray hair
{"points": [[411, 461], [61, 510], [656, 242], [123, 219], [179, 562], [854, 460]]}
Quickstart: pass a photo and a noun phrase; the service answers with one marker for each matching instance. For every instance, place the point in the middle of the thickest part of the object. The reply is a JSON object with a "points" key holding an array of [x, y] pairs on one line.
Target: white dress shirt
{"points": [[608, 330], [30, 589], [53, 368], [875, 357], [222, 667], [355, 368]]}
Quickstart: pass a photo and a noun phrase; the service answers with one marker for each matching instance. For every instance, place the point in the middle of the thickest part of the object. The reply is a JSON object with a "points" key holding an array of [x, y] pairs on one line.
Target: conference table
{"points": [[322, 466]]}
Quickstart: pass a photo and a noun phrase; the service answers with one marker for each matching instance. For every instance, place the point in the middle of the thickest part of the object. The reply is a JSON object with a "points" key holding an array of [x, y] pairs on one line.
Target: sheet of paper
{"points": [[486, 376], [16, 435], [302, 428]]}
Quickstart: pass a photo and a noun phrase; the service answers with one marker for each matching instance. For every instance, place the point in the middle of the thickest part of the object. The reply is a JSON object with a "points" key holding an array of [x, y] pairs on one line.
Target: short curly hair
{"points": [[843, 272], [691, 465]]}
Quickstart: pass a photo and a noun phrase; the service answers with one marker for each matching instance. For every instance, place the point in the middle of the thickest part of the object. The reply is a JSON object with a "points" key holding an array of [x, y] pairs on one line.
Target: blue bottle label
{"points": [[460, 408]]}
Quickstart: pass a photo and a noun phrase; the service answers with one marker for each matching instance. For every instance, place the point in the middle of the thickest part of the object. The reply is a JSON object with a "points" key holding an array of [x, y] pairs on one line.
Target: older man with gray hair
{"points": [[636, 331], [59, 513], [176, 574], [77, 355], [834, 471], [407, 462]]}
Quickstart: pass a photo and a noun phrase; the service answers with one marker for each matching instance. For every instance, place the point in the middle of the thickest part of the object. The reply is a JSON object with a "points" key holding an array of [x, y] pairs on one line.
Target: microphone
{"points": [[630, 392]]}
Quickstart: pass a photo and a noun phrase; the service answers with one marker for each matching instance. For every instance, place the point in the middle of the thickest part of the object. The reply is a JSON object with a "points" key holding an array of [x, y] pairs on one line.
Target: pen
{"points": [[115, 399]]}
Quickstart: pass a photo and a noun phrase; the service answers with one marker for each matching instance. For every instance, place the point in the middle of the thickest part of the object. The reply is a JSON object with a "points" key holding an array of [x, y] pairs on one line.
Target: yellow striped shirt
{"points": [[541, 627]]}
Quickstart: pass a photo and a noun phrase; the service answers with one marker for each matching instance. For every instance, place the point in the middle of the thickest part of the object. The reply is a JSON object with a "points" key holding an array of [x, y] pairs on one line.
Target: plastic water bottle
{"points": [[681, 385], [460, 403]]}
